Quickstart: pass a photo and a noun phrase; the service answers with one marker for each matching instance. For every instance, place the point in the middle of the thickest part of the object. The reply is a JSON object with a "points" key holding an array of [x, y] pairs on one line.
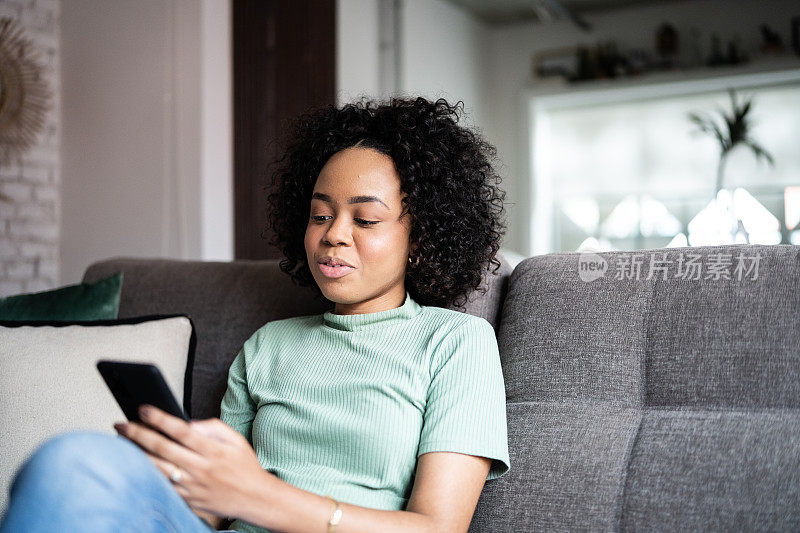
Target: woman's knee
{"points": [[83, 446], [84, 477], [83, 451]]}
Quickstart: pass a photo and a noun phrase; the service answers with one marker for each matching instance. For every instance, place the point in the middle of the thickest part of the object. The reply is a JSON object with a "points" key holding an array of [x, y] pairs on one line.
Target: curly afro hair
{"points": [[445, 170]]}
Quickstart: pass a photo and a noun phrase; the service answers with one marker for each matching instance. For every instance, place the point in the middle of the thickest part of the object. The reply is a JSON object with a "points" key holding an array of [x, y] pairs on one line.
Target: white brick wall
{"points": [[30, 216]]}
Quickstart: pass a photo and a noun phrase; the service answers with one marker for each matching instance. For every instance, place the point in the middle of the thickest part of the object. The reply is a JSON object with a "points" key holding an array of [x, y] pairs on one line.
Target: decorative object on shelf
{"points": [[599, 62], [716, 58], [24, 95], [581, 63], [736, 55], [667, 45], [771, 42], [586, 65], [561, 62], [734, 133]]}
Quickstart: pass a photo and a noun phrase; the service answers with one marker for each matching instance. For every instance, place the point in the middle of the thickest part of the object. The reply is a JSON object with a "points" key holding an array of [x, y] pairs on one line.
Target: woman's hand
{"points": [[219, 469]]}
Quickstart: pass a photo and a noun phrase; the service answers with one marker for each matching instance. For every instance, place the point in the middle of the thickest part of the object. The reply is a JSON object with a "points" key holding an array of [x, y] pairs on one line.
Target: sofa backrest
{"points": [[229, 301], [664, 401]]}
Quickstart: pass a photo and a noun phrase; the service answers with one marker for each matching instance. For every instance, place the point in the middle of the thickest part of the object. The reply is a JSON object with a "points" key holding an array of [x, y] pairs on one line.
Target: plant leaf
{"points": [[724, 145], [703, 123], [760, 152], [735, 128], [745, 109]]}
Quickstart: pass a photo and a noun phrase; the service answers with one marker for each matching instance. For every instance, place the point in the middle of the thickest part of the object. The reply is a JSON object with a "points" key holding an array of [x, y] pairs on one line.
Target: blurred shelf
{"points": [[765, 71]]}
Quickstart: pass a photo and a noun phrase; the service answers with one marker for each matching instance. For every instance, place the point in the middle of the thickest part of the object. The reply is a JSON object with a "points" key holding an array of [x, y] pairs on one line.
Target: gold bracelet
{"points": [[335, 516]]}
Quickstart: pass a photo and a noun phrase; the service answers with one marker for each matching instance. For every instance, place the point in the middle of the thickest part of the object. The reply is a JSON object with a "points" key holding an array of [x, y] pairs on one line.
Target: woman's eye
{"points": [[361, 221]]}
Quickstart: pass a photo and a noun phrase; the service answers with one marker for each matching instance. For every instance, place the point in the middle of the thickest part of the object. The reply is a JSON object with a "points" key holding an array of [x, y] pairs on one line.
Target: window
{"points": [[621, 169]]}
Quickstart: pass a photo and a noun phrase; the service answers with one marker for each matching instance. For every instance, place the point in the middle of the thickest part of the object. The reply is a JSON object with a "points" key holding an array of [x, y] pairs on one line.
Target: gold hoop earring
{"points": [[415, 263]]}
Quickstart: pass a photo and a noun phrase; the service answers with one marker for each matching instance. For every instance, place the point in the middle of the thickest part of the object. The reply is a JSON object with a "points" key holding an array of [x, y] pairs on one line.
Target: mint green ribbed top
{"points": [[344, 404]]}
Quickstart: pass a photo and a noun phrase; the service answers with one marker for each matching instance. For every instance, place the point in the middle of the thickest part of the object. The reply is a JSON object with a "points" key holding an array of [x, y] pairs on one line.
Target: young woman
{"points": [[385, 413]]}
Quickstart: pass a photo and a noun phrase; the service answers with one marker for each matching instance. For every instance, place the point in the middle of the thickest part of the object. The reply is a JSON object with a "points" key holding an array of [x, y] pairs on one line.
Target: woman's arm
{"points": [[283, 507], [443, 500]]}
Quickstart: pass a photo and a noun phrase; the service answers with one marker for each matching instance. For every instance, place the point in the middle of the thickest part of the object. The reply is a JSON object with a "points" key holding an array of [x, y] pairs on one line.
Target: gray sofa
{"points": [[644, 392]]}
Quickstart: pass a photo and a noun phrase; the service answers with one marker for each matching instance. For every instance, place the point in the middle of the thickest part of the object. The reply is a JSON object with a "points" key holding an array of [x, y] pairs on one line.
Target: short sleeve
{"points": [[465, 410], [238, 408]]}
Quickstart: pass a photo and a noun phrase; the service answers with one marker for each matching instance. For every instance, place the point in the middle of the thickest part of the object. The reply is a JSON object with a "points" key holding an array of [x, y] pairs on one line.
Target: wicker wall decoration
{"points": [[24, 94]]}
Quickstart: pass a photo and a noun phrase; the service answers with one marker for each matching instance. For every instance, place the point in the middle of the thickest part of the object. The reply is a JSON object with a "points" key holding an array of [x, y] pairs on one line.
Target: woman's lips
{"points": [[334, 271]]}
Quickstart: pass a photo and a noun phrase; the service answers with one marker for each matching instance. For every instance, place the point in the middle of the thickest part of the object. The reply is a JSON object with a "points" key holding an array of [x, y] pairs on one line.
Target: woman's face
{"points": [[355, 217]]}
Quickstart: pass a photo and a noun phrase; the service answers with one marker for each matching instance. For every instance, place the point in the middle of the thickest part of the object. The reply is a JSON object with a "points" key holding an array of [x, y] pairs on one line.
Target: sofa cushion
{"points": [[647, 394], [49, 382], [714, 470], [569, 458], [84, 301]]}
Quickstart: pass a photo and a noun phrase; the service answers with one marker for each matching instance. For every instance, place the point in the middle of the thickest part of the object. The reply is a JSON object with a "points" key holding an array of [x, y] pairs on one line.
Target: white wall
{"points": [[147, 165], [357, 50], [442, 53], [216, 143]]}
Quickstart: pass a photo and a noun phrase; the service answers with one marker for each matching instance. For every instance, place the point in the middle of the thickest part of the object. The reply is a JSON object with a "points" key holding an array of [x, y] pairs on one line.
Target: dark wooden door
{"points": [[283, 64]]}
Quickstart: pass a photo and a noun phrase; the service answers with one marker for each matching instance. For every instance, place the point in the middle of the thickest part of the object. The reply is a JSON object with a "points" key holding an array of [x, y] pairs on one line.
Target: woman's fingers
{"points": [[187, 487], [176, 428], [156, 444], [167, 468]]}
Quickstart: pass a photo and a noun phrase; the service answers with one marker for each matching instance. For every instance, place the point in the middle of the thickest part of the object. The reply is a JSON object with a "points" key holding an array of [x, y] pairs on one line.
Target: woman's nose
{"points": [[338, 233]]}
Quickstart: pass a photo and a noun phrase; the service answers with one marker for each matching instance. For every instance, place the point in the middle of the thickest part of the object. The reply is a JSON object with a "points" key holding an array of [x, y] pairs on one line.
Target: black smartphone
{"points": [[133, 384]]}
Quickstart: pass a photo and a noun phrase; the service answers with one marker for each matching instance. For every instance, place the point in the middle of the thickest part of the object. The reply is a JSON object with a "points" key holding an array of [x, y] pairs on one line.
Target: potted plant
{"points": [[731, 131]]}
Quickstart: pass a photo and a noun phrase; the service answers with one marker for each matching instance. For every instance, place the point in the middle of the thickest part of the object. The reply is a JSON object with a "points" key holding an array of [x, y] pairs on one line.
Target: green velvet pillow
{"points": [[84, 301]]}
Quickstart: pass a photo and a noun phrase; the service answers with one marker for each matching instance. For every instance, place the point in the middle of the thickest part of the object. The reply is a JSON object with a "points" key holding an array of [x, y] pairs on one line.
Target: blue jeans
{"points": [[92, 481]]}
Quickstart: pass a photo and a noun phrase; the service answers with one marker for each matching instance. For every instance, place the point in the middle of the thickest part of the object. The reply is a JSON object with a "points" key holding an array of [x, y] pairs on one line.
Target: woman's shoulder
{"points": [[450, 320], [287, 326]]}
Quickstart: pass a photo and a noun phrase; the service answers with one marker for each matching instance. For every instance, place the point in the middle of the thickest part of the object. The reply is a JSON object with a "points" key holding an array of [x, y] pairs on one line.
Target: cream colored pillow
{"points": [[49, 383]]}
